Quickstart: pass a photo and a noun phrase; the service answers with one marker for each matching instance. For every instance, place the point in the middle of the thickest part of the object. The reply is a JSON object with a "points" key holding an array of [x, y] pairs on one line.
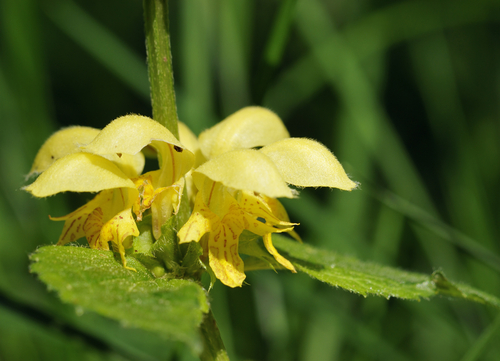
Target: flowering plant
{"points": [[210, 207]]}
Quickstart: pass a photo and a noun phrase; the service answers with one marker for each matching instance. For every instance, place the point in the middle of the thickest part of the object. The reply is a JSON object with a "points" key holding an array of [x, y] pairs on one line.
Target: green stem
{"points": [[213, 347], [161, 80], [161, 76]]}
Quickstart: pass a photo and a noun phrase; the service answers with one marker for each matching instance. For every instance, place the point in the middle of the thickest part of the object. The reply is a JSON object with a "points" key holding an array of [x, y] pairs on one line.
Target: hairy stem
{"points": [[213, 347], [161, 76]]}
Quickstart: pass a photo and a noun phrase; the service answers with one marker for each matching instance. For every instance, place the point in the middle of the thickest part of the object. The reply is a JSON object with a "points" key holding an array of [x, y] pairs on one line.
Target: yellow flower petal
{"points": [[163, 201], [280, 212], [75, 226], [117, 230], [166, 203], [223, 239], [63, 142], [130, 164], [188, 138], [307, 163], [223, 254], [246, 169], [247, 128], [268, 243], [93, 226], [106, 218], [71, 140], [147, 193], [256, 207], [215, 196], [131, 133], [190, 141], [223, 244], [198, 224], [79, 172]]}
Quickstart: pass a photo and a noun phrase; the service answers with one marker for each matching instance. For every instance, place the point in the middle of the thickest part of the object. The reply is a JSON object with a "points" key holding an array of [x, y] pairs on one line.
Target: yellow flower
{"points": [[110, 161], [160, 190], [238, 187]]}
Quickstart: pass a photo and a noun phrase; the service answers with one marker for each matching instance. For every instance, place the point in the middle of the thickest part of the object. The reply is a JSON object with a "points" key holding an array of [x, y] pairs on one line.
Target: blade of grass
{"points": [[234, 54], [435, 225], [478, 348], [279, 33], [369, 119], [438, 87], [371, 34], [272, 315], [406, 20], [470, 210], [101, 44], [294, 87], [196, 98]]}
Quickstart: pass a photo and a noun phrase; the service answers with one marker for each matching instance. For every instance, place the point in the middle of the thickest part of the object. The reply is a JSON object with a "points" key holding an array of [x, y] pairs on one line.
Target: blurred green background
{"points": [[405, 93]]}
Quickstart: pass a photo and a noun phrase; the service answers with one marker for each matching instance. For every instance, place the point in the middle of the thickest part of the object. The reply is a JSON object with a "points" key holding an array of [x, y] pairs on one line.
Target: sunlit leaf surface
{"points": [[95, 280], [373, 279]]}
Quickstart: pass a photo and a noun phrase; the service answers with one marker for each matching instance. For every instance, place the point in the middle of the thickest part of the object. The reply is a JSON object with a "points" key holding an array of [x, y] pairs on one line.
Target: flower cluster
{"points": [[110, 161], [233, 173]]}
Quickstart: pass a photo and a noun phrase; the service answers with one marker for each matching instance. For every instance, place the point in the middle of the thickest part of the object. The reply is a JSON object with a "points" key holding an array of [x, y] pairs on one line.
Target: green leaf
{"points": [[166, 247], [144, 241], [95, 280], [373, 279]]}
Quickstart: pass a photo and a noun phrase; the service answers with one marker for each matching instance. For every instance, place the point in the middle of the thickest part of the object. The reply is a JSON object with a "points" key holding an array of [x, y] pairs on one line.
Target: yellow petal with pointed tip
{"points": [[268, 243], [247, 128], [280, 212], [106, 218], [79, 172], [307, 163], [63, 142], [257, 207], [246, 169]]}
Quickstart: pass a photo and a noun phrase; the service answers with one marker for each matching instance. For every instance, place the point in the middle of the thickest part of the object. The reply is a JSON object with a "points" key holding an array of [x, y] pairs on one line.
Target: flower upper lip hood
{"points": [[79, 172], [245, 169], [61, 143], [307, 163], [131, 133], [281, 160], [70, 140], [248, 128], [299, 161], [77, 167]]}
